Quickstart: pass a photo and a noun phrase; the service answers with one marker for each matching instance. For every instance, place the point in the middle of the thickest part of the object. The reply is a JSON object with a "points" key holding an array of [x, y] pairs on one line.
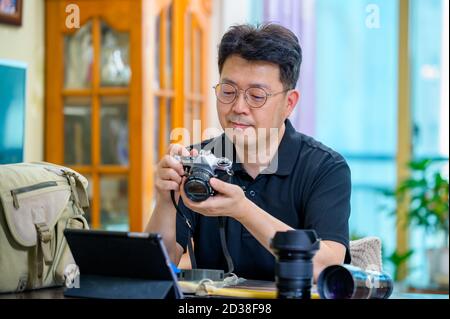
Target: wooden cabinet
{"points": [[115, 88]]}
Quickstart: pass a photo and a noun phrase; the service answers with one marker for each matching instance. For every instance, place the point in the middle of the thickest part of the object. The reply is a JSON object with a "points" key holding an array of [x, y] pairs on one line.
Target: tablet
{"points": [[121, 258]]}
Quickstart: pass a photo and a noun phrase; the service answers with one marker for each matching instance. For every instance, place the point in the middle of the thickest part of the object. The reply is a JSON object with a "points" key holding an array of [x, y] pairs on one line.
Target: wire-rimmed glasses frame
{"points": [[255, 97]]}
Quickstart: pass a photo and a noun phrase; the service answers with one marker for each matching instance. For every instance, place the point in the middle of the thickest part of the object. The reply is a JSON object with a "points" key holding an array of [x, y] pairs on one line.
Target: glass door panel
{"points": [[77, 131], [115, 57], [78, 58], [114, 131], [114, 203]]}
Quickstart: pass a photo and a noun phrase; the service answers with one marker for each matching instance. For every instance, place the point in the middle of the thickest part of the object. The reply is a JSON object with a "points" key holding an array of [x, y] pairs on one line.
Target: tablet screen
{"points": [[120, 254]]}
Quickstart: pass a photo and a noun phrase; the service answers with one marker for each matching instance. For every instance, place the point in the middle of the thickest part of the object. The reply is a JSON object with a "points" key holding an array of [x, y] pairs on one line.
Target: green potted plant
{"points": [[397, 259], [427, 192]]}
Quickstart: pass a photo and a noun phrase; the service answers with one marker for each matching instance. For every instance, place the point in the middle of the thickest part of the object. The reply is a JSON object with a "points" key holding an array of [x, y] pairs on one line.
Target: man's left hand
{"points": [[229, 200]]}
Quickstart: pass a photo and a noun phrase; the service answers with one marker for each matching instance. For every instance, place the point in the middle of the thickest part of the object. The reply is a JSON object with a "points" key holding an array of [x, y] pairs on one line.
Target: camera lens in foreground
{"points": [[294, 252], [350, 282], [337, 283]]}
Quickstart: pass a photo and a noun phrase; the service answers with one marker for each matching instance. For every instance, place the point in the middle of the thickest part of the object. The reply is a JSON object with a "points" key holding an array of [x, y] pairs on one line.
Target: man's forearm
{"points": [[261, 224], [163, 221], [330, 253], [264, 226]]}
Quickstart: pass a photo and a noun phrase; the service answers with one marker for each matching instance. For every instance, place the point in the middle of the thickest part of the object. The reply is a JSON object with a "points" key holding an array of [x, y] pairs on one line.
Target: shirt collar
{"points": [[284, 160], [282, 163]]}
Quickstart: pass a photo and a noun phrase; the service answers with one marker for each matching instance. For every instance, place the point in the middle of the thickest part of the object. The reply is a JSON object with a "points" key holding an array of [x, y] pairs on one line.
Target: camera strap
{"points": [[223, 240], [191, 231]]}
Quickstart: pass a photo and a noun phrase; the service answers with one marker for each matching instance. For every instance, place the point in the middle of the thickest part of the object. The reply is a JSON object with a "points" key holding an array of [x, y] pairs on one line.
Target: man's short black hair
{"points": [[268, 42]]}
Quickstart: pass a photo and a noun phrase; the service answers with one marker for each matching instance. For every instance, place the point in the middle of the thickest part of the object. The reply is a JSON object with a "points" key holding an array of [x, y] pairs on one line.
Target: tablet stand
{"points": [[106, 287]]}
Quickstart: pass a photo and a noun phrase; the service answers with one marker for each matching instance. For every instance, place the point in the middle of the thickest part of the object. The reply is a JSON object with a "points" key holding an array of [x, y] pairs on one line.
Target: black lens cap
{"points": [[296, 240]]}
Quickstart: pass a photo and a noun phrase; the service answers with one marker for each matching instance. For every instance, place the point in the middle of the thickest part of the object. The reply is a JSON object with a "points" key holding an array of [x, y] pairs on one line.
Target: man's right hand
{"points": [[169, 172], [168, 177]]}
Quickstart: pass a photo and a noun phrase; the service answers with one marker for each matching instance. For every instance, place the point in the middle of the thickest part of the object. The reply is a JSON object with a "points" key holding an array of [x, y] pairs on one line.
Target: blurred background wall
{"points": [[26, 44]]}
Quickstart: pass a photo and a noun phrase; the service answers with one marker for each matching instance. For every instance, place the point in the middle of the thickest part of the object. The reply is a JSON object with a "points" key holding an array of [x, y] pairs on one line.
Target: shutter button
{"points": [[252, 193]]}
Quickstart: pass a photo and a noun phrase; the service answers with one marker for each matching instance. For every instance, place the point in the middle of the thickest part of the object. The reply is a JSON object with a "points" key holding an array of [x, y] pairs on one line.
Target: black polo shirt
{"points": [[309, 189]]}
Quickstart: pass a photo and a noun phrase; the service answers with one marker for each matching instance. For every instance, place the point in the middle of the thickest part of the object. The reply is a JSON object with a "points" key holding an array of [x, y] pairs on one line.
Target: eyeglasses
{"points": [[255, 97]]}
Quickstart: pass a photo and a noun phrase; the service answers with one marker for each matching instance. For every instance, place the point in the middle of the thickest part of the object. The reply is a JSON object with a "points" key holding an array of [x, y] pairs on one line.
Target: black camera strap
{"points": [[223, 240], [191, 231]]}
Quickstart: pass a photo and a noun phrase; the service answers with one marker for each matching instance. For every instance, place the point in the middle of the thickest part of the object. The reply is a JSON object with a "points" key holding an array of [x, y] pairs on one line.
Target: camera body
{"points": [[200, 169]]}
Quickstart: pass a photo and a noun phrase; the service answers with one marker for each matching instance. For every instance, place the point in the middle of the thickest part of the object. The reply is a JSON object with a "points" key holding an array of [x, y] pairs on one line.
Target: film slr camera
{"points": [[200, 169]]}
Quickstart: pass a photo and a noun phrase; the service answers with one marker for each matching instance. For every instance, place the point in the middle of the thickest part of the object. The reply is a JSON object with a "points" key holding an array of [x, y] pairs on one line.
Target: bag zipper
{"points": [[26, 189]]}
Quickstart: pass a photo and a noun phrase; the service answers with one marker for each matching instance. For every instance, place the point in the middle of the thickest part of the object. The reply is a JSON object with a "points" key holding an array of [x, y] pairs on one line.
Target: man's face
{"points": [[238, 118]]}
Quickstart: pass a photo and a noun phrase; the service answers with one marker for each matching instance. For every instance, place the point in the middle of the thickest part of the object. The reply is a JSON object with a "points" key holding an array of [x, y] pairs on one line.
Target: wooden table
{"points": [[58, 293]]}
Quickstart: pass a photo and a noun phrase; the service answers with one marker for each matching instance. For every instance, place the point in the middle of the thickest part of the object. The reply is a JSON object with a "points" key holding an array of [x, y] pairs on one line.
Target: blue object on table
{"points": [[175, 269]]}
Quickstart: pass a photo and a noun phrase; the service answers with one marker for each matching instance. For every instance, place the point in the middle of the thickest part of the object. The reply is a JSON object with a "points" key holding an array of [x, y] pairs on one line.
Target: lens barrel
{"points": [[350, 282], [197, 187], [294, 252]]}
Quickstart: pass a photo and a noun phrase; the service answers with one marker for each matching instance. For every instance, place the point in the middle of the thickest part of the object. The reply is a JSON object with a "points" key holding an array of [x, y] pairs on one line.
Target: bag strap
{"points": [[44, 252], [45, 237], [78, 191]]}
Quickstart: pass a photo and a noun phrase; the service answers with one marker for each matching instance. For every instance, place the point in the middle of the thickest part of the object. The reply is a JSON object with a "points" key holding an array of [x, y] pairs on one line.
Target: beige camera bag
{"points": [[37, 202]]}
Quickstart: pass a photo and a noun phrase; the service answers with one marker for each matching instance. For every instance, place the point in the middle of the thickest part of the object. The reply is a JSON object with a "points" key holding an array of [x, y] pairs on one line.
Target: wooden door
{"points": [[95, 106], [182, 30], [115, 88]]}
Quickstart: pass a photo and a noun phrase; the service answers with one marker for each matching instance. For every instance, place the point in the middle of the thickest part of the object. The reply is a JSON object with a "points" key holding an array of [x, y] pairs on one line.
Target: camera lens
{"points": [[196, 190], [350, 282], [338, 284], [294, 252], [197, 187]]}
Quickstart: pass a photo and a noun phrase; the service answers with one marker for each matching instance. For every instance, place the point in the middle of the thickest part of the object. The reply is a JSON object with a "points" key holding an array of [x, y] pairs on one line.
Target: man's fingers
{"points": [[220, 186], [170, 174], [194, 152], [170, 162], [168, 185], [178, 149], [184, 151]]}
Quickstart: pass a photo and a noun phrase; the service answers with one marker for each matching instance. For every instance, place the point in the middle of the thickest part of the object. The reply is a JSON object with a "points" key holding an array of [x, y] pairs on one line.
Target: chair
{"points": [[366, 253]]}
